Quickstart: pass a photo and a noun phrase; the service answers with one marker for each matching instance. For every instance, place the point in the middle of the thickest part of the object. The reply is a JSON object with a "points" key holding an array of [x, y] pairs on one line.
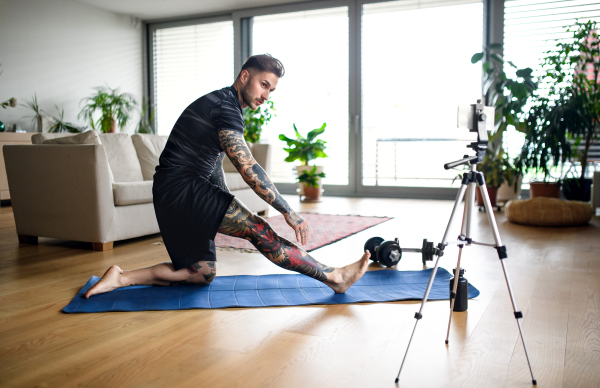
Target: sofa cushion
{"points": [[235, 181], [87, 137], [148, 149], [131, 193], [39, 138], [122, 157]]}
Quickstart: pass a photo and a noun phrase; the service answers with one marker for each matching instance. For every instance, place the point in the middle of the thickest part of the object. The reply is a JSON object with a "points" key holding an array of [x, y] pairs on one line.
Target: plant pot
{"points": [[113, 126], [312, 193], [492, 193], [544, 189], [575, 189], [301, 169], [507, 192], [40, 123]]}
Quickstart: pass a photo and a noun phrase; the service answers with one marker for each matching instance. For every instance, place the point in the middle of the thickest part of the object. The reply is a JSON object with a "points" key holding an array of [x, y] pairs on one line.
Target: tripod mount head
{"points": [[476, 118]]}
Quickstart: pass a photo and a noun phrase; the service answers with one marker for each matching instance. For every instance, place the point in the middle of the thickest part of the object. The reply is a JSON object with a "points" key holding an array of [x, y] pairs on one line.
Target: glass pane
{"points": [[189, 62], [313, 47], [416, 71]]}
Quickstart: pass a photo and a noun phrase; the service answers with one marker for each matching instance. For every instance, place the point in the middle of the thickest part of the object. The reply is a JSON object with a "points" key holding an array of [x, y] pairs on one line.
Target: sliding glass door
{"points": [[416, 70], [313, 47]]}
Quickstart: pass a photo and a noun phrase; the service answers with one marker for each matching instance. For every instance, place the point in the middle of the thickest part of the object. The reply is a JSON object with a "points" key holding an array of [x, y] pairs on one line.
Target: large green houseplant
{"points": [[255, 119], [305, 149], [115, 109], [565, 122]]}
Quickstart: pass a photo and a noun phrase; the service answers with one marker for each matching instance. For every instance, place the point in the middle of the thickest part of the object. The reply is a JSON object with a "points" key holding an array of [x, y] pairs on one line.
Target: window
{"points": [[313, 47], [189, 62], [531, 27], [416, 71]]}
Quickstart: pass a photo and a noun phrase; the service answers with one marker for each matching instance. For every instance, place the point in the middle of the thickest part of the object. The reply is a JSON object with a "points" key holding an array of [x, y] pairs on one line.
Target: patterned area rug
{"points": [[325, 229]]}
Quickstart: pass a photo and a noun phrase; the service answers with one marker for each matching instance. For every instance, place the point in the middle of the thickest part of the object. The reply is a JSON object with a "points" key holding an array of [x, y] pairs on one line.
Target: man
{"points": [[192, 202]]}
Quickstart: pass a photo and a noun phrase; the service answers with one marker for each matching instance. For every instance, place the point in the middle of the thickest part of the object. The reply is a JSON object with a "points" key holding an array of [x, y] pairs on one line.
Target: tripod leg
{"points": [[502, 255], [419, 314], [466, 231]]}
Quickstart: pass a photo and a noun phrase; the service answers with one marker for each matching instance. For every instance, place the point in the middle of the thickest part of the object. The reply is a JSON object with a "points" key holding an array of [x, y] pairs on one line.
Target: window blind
{"points": [[189, 61], [531, 27]]}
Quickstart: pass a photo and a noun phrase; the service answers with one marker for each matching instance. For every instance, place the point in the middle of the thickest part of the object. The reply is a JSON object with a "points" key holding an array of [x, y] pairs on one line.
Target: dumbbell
{"points": [[389, 253]]}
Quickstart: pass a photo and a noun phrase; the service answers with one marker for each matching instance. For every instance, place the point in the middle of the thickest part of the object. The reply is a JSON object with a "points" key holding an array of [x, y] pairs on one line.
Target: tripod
{"points": [[468, 184]]}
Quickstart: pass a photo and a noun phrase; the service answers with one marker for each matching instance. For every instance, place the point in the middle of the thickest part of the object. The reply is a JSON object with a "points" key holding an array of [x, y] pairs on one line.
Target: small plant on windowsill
{"points": [[310, 181]]}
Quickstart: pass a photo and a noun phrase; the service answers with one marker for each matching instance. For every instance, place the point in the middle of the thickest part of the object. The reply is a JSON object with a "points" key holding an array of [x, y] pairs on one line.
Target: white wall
{"points": [[60, 50]]}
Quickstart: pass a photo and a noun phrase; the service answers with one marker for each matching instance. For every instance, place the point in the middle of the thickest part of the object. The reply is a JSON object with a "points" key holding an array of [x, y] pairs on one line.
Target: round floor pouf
{"points": [[542, 211]]}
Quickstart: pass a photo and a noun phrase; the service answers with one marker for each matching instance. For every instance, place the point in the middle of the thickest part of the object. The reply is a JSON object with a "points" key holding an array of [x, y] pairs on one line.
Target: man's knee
{"points": [[202, 272]]}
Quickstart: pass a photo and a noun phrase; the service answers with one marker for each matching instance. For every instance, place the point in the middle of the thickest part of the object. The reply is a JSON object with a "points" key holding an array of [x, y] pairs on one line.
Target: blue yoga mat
{"points": [[264, 291]]}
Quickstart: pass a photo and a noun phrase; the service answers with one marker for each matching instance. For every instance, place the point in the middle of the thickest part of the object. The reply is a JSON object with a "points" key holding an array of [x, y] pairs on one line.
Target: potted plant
{"points": [[255, 119], [305, 149], [568, 116], [60, 125], [146, 118], [497, 170], [544, 150], [509, 96], [11, 102], [309, 179], [37, 119], [115, 109]]}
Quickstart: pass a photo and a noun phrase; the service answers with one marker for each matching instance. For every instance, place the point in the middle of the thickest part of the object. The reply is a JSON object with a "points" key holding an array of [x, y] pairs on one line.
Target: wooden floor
{"points": [[555, 275]]}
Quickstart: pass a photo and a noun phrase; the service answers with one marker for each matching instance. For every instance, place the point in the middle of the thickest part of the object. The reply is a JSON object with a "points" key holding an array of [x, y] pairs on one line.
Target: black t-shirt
{"points": [[193, 146]]}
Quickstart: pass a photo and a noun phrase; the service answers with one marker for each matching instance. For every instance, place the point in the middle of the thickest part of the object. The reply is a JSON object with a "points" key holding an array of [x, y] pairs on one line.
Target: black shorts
{"points": [[189, 210]]}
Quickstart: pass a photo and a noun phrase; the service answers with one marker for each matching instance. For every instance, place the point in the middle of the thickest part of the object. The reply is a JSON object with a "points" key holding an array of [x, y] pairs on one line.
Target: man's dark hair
{"points": [[264, 62]]}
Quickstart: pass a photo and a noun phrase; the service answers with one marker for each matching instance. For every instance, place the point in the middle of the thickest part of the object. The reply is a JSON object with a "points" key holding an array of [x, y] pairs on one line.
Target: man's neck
{"points": [[238, 89]]}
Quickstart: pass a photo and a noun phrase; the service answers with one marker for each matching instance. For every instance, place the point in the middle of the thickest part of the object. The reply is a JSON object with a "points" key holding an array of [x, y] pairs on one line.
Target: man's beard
{"points": [[247, 96]]}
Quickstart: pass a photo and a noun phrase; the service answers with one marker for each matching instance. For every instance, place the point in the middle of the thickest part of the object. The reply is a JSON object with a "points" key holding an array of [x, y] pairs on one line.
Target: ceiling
{"points": [[164, 9]]}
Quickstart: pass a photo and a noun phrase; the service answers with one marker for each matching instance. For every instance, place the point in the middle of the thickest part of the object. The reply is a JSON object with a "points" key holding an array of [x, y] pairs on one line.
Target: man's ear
{"points": [[244, 76]]}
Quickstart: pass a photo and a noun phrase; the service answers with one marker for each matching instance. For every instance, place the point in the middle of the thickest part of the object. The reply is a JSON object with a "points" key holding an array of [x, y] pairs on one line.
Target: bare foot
{"points": [[109, 282], [346, 276]]}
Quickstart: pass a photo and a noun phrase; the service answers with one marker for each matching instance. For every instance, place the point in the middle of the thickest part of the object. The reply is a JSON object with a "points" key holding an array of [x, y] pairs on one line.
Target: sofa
{"points": [[96, 188]]}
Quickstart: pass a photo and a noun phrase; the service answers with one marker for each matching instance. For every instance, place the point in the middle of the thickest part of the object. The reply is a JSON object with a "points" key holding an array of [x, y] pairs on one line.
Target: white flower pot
{"points": [[506, 192]]}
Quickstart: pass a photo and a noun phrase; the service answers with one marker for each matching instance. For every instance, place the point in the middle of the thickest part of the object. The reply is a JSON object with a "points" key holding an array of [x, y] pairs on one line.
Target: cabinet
{"points": [[9, 138]]}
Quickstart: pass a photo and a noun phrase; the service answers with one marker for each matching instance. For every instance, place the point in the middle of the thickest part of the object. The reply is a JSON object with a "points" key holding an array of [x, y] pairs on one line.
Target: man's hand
{"points": [[299, 224]]}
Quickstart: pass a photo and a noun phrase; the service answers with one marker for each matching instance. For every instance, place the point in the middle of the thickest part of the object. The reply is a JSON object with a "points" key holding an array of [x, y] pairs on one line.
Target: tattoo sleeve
{"points": [[217, 177], [253, 174]]}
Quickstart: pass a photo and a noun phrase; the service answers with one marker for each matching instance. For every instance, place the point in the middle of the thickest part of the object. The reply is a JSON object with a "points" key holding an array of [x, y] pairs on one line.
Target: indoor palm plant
{"points": [[115, 109], [306, 149], [255, 119], [310, 182]]}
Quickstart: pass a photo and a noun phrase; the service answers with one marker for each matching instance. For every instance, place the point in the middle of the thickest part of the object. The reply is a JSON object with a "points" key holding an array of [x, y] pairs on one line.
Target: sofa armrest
{"points": [[60, 191]]}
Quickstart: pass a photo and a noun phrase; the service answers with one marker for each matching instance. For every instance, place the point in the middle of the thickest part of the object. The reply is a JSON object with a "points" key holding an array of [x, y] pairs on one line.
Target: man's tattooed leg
{"points": [[240, 222]]}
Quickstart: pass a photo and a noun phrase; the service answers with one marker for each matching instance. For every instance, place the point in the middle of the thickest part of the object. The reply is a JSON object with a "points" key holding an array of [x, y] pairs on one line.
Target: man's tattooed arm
{"points": [[217, 177], [236, 149]]}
